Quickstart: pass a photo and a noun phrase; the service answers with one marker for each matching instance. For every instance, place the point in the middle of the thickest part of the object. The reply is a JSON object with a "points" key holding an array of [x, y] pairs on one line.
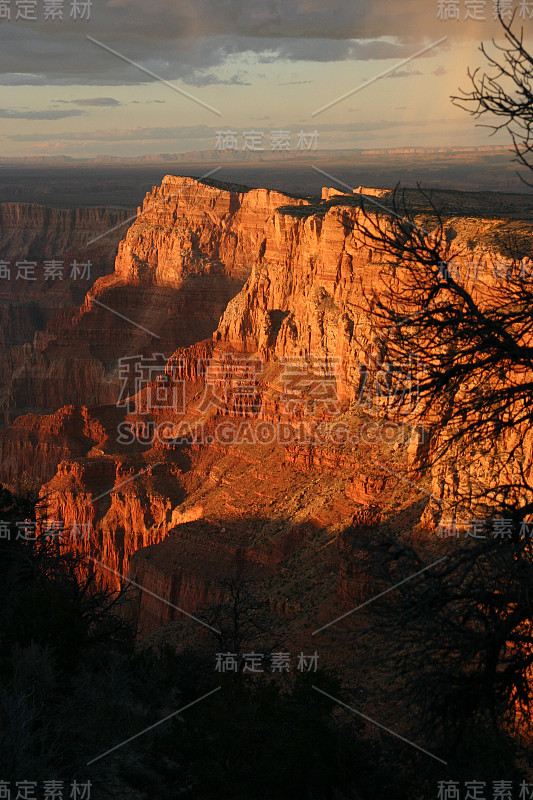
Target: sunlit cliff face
{"points": [[209, 281]]}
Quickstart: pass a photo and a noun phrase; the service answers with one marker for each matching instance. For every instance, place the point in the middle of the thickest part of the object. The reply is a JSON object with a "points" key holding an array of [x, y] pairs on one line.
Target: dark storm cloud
{"points": [[189, 40]]}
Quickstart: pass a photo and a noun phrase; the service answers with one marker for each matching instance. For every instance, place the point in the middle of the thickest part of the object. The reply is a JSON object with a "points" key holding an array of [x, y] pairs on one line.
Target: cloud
{"points": [[205, 133], [378, 125], [404, 73], [118, 134], [200, 78], [200, 62], [193, 40], [95, 101], [11, 113]]}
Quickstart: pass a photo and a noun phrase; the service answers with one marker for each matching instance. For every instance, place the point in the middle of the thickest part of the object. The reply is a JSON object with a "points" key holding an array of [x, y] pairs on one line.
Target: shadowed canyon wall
{"points": [[207, 270]]}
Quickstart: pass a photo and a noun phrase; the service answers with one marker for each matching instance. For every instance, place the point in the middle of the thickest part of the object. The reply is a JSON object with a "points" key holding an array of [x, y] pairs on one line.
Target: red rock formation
{"points": [[182, 260], [33, 446], [32, 311], [190, 227]]}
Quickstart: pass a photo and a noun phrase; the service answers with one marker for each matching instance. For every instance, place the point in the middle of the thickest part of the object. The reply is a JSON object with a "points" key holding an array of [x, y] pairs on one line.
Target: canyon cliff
{"points": [[49, 258], [254, 302]]}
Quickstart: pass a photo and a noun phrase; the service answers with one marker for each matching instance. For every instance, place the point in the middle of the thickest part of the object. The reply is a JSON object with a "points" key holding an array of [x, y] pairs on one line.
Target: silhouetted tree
{"points": [[241, 619], [462, 632], [504, 91]]}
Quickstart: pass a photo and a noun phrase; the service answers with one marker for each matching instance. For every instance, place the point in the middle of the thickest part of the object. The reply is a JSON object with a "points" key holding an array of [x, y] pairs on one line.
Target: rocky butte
{"points": [[243, 434]]}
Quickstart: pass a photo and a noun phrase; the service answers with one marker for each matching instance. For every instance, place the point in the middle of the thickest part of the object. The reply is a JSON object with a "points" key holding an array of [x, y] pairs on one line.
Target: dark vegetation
{"points": [[75, 684], [456, 640]]}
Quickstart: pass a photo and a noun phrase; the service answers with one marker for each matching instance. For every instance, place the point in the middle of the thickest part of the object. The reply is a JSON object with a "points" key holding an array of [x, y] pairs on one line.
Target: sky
{"points": [[135, 77]]}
